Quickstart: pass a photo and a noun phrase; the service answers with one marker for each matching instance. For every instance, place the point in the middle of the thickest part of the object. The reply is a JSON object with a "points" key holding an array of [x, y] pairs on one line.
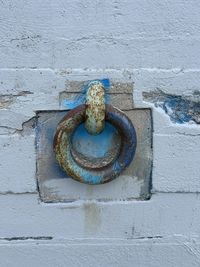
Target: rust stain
{"points": [[92, 214]]}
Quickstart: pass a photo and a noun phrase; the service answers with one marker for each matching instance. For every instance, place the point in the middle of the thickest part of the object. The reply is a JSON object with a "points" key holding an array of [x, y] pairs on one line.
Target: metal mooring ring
{"points": [[62, 146]]}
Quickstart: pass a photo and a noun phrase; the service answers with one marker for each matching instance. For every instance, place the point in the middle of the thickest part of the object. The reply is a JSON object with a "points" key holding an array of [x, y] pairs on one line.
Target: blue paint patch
{"points": [[116, 167], [179, 109], [81, 98], [106, 83], [73, 103], [96, 146]]}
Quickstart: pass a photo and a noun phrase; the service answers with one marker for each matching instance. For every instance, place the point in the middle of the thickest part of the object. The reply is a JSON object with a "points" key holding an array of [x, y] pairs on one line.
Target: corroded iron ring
{"points": [[62, 146]]}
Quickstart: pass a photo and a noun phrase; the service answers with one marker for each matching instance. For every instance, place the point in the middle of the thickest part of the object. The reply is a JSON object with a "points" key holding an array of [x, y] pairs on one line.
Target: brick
{"points": [[17, 162], [160, 34], [151, 252], [165, 214], [176, 163]]}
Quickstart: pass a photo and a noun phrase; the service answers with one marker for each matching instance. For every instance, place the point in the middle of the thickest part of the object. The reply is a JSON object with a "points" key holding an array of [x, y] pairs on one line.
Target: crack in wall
{"points": [[27, 128], [22, 238]]}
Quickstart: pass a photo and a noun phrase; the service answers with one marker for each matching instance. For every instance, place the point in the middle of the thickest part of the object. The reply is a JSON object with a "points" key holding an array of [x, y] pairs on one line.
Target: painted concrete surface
{"points": [[92, 34], [147, 252], [45, 48], [165, 214]]}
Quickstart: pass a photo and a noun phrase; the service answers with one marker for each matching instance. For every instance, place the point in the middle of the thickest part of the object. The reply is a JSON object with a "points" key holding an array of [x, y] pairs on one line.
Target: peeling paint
{"points": [[7, 100], [180, 109]]}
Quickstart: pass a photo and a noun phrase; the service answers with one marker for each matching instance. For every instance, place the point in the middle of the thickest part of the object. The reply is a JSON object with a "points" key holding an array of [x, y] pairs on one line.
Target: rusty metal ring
{"points": [[90, 162], [62, 146]]}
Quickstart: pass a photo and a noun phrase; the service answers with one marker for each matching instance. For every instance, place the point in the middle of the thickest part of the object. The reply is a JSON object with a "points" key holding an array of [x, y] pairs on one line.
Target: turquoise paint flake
{"points": [[81, 98]]}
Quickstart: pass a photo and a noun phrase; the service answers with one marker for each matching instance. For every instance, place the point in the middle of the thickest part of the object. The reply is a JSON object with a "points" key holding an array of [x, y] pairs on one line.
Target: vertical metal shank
{"points": [[95, 108]]}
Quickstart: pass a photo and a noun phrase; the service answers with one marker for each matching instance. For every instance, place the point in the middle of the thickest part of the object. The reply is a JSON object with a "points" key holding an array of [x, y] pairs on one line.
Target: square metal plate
{"points": [[55, 186]]}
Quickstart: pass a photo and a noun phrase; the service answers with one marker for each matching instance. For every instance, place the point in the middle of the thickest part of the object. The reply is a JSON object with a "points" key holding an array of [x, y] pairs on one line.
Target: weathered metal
{"points": [[75, 166], [95, 108], [95, 151]]}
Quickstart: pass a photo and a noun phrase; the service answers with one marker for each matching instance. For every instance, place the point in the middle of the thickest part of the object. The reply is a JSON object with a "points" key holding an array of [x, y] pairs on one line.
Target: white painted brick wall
{"points": [[43, 46]]}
